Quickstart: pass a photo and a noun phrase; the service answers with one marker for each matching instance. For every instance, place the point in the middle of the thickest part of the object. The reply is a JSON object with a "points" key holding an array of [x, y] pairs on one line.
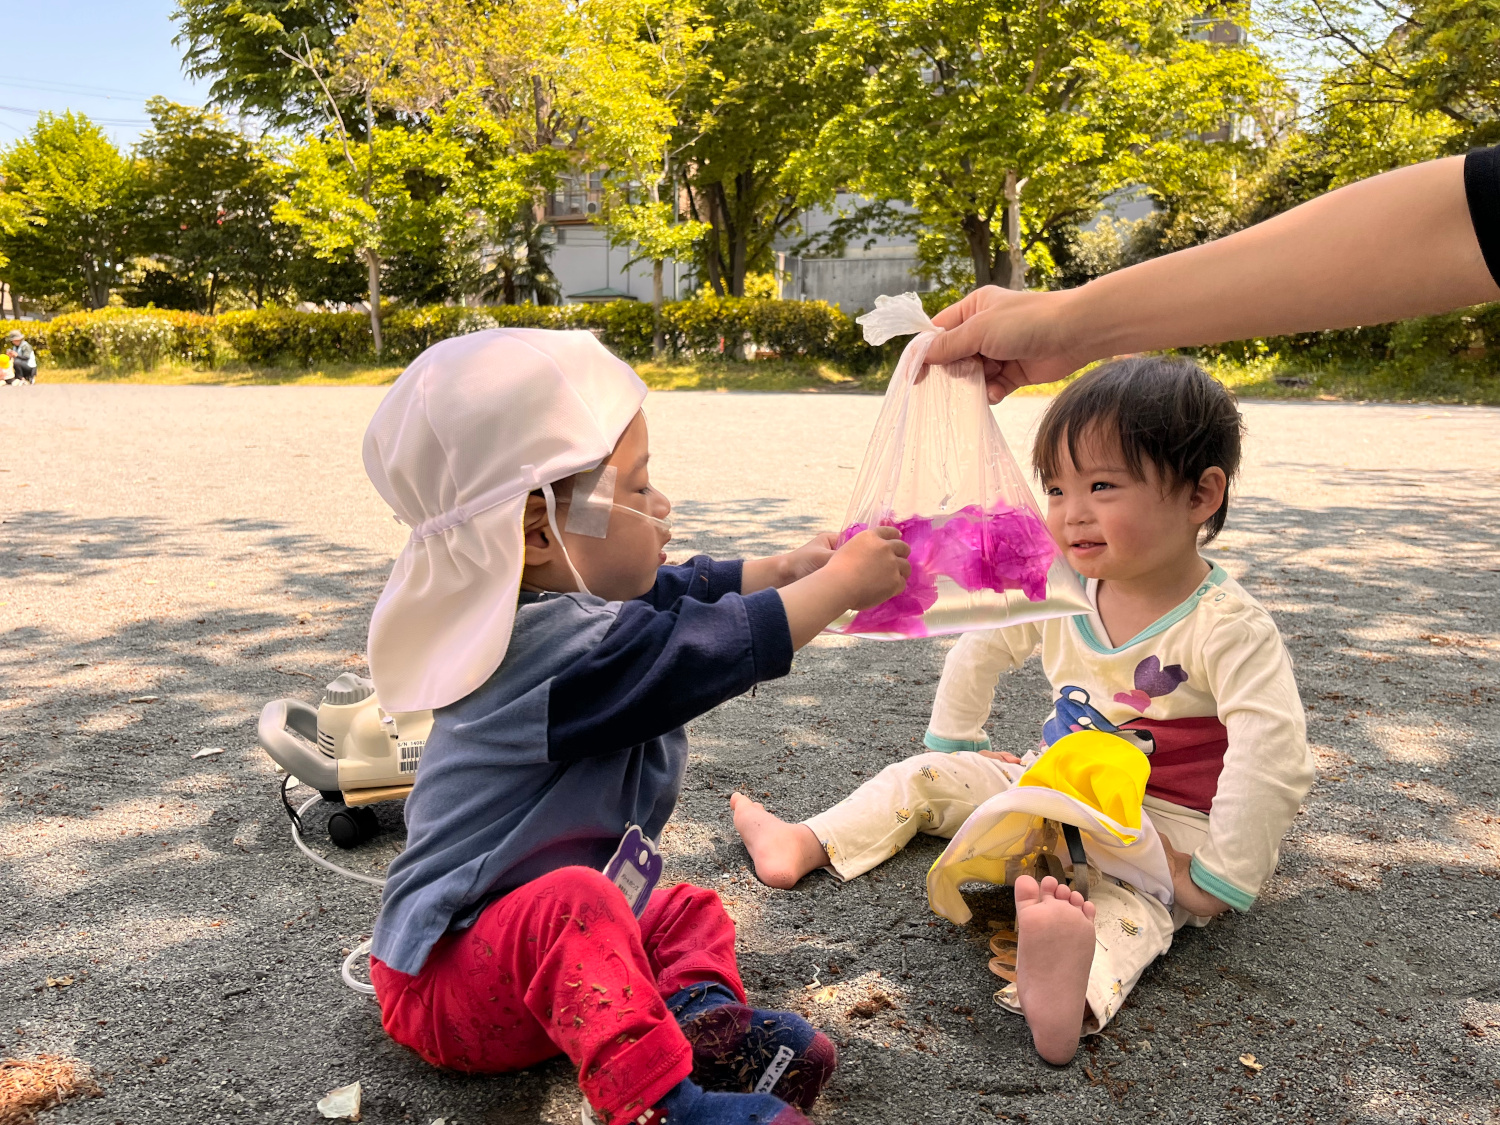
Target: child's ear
{"points": [[538, 536], [1208, 494]]}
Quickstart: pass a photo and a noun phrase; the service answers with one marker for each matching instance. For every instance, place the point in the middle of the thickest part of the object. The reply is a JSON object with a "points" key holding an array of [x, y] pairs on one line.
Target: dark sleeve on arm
{"points": [[656, 670], [700, 578], [1482, 186]]}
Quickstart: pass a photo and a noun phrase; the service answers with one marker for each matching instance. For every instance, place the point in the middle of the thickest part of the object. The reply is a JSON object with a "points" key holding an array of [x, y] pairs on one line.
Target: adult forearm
{"points": [[1395, 246]]}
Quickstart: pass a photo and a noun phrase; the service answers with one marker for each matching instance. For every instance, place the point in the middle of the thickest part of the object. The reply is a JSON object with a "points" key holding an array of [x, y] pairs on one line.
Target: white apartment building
{"points": [[588, 268]]}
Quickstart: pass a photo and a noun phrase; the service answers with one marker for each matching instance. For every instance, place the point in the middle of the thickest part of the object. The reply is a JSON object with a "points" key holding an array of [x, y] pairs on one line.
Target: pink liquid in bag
{"points": [[1000, 548]]}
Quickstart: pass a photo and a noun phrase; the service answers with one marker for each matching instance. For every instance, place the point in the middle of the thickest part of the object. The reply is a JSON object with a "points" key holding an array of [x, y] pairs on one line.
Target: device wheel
{"points": [[350, 827]]}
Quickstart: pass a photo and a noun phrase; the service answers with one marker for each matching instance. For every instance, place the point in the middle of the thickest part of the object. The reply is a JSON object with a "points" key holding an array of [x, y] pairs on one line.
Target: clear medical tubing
{"points": [[938, 469]]}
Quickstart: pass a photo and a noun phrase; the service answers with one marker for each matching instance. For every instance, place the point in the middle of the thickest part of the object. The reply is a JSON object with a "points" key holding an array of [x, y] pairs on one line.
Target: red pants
{"points": [[561, 966]]}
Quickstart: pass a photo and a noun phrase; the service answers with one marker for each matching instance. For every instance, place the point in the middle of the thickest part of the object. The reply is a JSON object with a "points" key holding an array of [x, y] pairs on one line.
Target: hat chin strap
{"points": [[551, 499]]}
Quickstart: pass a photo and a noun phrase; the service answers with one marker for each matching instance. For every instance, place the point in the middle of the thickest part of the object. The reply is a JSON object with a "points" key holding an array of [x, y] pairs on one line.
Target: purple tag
{"points": [[635, 868]]}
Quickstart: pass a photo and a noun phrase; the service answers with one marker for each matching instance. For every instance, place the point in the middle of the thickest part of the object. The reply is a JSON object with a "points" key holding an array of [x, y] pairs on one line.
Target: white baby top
{"points": [[1206, 691]]}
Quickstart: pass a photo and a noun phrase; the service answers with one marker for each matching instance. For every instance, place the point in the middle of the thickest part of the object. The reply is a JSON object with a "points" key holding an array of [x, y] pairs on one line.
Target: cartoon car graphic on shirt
{"points": [[1186, 753], [1073, 712]]}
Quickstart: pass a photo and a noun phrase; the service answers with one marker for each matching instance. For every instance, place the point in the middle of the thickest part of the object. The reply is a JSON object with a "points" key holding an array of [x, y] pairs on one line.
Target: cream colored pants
{"points": [[935, 793]]}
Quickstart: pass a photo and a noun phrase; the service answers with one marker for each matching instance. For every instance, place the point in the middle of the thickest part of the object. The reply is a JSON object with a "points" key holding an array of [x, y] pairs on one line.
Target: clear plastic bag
{"points": [[937, 468]]}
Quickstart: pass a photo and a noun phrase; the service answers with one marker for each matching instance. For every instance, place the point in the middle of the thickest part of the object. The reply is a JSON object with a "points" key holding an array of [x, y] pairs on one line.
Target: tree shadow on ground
{"points": [[195, 934]]}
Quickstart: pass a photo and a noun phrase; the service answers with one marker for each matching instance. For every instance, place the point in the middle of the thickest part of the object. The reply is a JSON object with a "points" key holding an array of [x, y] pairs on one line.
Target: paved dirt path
{"points": [[172, 558]]}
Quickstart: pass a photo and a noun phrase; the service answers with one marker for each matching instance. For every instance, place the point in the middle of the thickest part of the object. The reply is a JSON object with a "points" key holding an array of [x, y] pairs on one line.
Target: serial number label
{"points": [[411, 754]]}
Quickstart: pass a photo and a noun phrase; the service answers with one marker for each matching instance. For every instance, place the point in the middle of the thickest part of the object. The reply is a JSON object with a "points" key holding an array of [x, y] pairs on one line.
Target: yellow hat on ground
{"points": [[1102, 770], [1089, 779]]}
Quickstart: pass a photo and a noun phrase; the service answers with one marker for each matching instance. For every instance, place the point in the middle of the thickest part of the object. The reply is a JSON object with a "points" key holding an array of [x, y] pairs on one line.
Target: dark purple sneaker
{"points": [[753, 1050], [689, 1104]]}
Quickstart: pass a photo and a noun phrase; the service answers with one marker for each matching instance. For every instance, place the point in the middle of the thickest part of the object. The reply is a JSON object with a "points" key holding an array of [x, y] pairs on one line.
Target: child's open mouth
{"points": [[1086, 547]]}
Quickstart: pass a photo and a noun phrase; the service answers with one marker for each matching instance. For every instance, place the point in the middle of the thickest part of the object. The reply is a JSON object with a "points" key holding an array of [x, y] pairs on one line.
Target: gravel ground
{"points": [[176, 556]]}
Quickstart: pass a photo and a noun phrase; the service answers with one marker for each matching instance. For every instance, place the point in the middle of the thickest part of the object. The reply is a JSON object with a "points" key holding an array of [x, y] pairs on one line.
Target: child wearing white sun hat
{"points": [[531, 611]]}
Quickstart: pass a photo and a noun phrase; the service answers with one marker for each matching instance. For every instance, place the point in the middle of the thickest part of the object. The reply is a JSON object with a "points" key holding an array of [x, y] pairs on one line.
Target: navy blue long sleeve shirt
{"points": [[576, 735]]}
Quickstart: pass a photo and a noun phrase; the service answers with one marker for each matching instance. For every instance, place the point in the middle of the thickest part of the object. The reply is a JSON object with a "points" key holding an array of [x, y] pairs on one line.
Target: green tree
{"points": [[208, 199], [250, 51], [743, 113], [73, 200], [397, 192], [631, 61], [518, 270], [1397, 66], [1003, 122], [501, 73]]}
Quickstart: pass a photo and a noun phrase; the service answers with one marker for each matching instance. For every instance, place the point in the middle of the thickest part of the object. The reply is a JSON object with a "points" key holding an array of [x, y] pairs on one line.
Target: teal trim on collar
{"points": [[954, 745], [1226, 892], [1216, 575]]}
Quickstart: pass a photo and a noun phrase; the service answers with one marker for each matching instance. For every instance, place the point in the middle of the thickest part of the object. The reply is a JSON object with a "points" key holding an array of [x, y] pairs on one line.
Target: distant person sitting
{"points": [[22, 356]]}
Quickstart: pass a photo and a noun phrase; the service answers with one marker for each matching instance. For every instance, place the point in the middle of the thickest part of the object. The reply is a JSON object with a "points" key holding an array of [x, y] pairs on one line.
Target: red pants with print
{"points": [[561, 966]]}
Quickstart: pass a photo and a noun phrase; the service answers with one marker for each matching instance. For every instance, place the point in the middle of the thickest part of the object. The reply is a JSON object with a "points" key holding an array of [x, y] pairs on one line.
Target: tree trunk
{"points": [[739, 252], [92, 277], [1017, 271], [714, 257], [737, 264], [728, 233], [372, 259], [977, 233], [213, 291], [656, 302], [507, 285]]}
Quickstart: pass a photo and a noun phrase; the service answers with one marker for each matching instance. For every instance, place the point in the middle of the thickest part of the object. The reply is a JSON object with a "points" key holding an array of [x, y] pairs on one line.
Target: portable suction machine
{"points": [[348, 748]]}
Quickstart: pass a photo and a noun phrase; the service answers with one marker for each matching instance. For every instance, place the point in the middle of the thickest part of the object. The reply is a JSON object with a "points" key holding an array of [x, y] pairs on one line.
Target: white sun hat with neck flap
{"points": [[467, 432]]}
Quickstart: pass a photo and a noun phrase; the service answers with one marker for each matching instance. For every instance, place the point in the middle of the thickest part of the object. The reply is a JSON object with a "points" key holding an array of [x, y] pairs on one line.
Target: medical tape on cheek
{"points": [[592, 501]]}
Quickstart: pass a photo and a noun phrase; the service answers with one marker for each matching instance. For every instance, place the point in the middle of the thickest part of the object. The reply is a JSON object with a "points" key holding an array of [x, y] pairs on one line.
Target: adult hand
{"points": [[1189, 895], [1021, 337]]}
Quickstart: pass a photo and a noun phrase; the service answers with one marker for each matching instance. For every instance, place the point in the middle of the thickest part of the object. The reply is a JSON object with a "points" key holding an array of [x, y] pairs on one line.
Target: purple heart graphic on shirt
{"points": [[1137, 699], [1154, 680]]}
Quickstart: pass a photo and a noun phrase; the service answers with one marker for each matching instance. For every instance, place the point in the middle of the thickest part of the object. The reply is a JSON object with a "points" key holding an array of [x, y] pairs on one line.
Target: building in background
{"points": [[867, 267], [588, 268]]}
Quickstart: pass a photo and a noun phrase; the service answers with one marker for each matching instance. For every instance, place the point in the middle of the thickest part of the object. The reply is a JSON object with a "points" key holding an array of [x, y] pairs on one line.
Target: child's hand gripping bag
{"points": [[938, 470]]}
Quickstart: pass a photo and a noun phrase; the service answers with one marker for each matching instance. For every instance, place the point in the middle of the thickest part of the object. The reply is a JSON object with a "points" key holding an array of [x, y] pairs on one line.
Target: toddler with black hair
{"points": [[1175, 657]]}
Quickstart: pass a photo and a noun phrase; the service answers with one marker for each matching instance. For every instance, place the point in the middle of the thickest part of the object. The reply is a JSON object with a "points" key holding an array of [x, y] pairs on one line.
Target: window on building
{"points": [[577, 197]]}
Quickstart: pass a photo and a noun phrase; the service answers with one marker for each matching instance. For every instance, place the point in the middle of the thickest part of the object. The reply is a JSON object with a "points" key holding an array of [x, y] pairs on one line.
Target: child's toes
{"points": [[1028, 893], [1049, 887]]}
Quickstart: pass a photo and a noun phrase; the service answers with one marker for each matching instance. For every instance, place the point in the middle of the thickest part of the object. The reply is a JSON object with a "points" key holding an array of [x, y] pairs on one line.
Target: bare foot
{"points": [[782, 852], [1054, 952]]}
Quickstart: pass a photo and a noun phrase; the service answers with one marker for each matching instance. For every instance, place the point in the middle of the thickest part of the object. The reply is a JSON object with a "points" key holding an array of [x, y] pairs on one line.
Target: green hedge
{"points": [[1470, 337], [268, 337], [724, 327], [122, 339], [703, 328]]}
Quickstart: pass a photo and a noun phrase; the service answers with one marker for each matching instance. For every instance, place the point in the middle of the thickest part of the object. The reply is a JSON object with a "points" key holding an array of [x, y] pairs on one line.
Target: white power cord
{"points": [[346, 971], [319, 860]]}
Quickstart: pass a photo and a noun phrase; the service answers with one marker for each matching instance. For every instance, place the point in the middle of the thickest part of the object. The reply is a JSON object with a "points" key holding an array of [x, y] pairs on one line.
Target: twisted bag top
{"points": [[465, 434], [1090, 779]]}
